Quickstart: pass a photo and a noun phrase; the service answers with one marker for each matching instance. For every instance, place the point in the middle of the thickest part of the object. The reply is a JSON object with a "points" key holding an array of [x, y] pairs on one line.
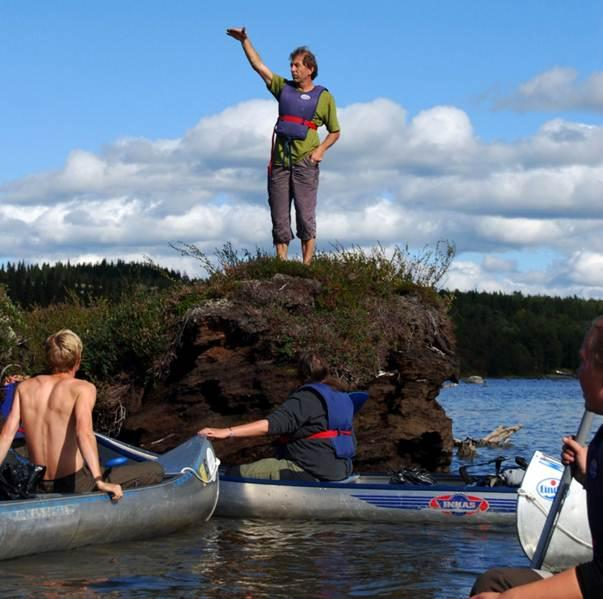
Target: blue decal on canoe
{"points": [[400, 502], [549, 463], [547, 488]]}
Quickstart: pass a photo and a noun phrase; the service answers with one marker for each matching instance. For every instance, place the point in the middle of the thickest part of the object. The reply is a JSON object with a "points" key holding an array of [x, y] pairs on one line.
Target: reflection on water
{"points": [[272, 559], [230, 558]]}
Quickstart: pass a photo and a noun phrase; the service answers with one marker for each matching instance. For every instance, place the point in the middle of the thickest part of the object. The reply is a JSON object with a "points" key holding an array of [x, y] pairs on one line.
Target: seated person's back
{"points": [[48, 414], [55, 411]]}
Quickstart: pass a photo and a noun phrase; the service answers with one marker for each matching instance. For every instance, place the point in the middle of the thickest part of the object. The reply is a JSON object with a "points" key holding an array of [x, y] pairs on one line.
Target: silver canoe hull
{"points": [[57, 522], [369, 498], [571, 541]]}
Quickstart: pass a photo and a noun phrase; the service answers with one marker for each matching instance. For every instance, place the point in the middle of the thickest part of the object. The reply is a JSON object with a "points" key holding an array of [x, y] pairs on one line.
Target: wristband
{"points": [[230, 433]]}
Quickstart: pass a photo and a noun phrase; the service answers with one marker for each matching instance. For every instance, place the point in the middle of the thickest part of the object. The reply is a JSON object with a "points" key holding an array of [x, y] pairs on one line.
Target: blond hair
{"points": [[63, 350]]}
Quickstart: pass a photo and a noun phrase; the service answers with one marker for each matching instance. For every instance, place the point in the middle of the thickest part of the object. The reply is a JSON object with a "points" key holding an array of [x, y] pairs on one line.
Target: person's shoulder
{"points": [[277, 84], [307, 395], [77, 388], [82, 385], [327, 97], [300, 397], [31, 383], [325, 92]]}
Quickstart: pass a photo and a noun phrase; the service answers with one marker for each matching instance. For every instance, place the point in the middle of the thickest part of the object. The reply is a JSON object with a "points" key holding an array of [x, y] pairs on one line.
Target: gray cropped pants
{"points": [[300, 186]]}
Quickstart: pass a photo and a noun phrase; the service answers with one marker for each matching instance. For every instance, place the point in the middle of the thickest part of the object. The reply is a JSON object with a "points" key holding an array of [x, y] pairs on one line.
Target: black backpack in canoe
{"points": [[19, 478]]}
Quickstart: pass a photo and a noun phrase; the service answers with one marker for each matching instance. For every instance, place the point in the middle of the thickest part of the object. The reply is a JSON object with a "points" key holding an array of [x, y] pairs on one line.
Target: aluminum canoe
{"points": [[53, 522], [368, 498], [571, 542]]}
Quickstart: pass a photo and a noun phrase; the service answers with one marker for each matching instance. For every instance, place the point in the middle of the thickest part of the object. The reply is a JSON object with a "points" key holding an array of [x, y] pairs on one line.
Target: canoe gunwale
{"points": [[375, 485]]}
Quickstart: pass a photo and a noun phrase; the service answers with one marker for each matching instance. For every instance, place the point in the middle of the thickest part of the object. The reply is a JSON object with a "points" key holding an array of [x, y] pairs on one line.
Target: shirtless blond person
{"points": [[55, 411]]}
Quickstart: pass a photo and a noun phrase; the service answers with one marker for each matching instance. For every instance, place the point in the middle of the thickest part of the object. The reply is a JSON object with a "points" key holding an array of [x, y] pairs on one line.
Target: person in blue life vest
{"points": [[585, 580], [297, 151], [315, 426]]}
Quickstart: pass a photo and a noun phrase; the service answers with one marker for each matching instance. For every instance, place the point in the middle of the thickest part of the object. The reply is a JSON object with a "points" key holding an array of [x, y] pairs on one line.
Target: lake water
{"points": [[230, 558]]}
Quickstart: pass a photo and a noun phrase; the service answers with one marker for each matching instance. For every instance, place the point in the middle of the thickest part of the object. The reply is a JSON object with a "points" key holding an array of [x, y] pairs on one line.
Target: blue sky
{"points": [[480, 122]]}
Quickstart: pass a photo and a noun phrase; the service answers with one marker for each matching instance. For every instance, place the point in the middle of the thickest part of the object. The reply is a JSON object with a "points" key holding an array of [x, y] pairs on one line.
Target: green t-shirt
{"points": [[326, 114]]}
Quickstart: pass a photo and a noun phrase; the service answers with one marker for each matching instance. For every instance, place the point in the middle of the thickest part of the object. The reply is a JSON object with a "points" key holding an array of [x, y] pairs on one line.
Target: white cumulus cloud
{"points": [[392, 179], [558, 88]]}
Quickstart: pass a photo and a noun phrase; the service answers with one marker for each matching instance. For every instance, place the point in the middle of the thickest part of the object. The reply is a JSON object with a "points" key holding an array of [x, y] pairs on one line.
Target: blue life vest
{"points": [[7, 396], [340, 417], [295, 111]]}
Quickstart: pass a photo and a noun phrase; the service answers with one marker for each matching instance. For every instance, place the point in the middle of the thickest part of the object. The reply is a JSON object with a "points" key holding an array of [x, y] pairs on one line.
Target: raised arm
{"points": [[86, 440], [240, 34]]}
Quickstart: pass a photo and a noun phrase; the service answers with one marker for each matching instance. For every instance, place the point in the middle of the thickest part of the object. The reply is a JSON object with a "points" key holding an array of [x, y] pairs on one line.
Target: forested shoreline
{"points": [[42, 285], [497, 334], [516, 335]]}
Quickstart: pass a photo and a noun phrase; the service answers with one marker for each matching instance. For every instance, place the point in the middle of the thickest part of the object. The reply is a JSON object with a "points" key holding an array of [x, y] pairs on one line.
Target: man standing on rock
{"points": [[296, 148]]}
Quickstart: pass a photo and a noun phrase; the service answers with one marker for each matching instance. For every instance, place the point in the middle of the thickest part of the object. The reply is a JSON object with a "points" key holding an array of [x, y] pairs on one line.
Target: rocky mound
{"points": [[233, 360]]}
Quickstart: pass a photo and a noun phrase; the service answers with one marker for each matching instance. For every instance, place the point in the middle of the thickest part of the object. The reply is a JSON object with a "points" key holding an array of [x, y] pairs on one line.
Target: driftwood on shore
{"points": [[497, 438]]}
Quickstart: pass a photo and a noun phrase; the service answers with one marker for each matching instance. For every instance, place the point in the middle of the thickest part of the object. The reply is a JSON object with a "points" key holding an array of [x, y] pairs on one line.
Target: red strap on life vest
{"points": [[298, 119], [291, 119], [328, 434], [284, 439]]}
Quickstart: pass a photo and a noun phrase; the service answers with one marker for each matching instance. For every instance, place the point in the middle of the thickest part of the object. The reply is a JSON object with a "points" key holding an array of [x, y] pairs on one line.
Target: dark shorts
{"points": [[502, 579], [129, 476], [299, 186], [590, 578]]}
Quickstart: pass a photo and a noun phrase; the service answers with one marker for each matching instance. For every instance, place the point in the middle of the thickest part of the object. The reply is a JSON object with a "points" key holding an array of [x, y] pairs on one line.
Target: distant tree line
{"points": [[517, 335], [497, 334], [42, 285]]}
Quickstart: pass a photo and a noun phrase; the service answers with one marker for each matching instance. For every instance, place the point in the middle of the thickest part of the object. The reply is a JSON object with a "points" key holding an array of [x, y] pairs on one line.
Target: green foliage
{"points": [[129, 339], [350, 274], [125, 337], [503, 335], [497, 335], [11, 327], [344, 273]]}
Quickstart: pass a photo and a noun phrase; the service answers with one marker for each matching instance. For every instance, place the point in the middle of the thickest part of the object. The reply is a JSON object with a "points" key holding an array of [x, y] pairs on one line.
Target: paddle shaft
{"points": [[564, 484]]}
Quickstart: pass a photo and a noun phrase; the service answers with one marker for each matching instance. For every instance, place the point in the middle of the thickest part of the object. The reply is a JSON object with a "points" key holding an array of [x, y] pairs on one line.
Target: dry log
{"points": [[500, 435], [497, 438]]}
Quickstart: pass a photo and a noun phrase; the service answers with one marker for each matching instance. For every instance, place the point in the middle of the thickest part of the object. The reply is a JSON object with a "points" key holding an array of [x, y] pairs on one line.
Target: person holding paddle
{"points": [[585, 580], [296, 148]]}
